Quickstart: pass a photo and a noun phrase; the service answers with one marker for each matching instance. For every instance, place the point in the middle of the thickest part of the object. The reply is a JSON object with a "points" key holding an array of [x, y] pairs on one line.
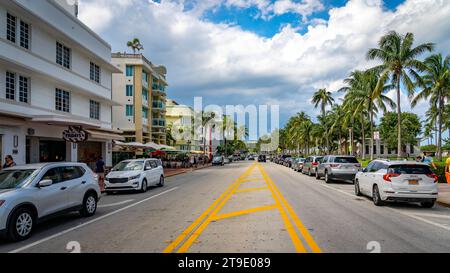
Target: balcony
{"points": [[159, 123], [159, 105], [159, 89]]}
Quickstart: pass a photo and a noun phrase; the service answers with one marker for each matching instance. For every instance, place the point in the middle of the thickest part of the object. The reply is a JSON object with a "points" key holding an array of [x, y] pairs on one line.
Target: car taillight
{"points": [[387, 177], [335, 165], [315, 164], [435, 177]]}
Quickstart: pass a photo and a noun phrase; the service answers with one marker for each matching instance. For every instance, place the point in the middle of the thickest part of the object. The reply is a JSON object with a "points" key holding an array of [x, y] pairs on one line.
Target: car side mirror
{"points": [[364, 170], [45, 183], [148, 168]]}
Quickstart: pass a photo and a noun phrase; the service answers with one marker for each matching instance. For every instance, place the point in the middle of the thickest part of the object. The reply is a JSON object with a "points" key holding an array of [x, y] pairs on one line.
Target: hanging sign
{"points": [[75, 134]]}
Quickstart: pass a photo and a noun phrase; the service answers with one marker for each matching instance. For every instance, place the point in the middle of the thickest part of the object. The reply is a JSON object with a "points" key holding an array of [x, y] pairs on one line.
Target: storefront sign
{"points": [[75, 134]]}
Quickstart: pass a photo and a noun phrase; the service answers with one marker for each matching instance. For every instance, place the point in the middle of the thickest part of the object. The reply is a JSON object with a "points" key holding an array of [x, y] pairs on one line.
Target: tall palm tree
{"points": [[323, 98], [400, 64], [135, 45], [435, 83]]}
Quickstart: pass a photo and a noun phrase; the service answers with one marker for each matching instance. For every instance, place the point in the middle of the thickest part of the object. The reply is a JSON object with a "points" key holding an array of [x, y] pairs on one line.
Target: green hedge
{"points": [[440, 172]]}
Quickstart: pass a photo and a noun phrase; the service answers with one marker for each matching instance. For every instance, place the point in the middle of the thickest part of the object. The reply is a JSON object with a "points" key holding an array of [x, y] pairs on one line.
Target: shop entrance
{"points": [[89, 152], [52, 151]]}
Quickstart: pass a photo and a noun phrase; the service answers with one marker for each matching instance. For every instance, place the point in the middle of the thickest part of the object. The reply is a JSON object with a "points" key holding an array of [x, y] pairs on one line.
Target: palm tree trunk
{"points": [[363, 134], [371, 135], [399, 119], [340, 146], [439, 145]]}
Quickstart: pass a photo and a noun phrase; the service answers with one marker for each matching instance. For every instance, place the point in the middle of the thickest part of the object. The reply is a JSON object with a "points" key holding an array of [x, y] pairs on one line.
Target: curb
{"points": [[444, 204], [187, 171]]}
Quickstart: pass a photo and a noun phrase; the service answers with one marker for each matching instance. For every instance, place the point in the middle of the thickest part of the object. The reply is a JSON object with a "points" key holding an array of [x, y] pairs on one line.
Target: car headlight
{"points": [[106, 178], [134, 177]]}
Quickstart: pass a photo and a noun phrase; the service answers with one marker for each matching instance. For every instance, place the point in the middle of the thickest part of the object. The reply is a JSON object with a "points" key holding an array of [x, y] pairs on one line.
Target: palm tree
{"points": [[323, 98], [206, 119], [400, 64], [135, 45], [436, 84]]}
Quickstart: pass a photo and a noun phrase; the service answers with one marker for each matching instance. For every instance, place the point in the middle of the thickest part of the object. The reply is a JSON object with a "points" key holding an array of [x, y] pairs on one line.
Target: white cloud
{"points": [[227, 64]]}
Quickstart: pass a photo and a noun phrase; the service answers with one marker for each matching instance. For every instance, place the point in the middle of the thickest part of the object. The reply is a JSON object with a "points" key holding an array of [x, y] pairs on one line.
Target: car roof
{"points": [[400, 162], [43, 165]]}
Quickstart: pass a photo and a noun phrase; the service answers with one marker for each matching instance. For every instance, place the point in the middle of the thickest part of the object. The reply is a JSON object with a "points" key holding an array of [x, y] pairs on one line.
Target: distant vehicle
{"points": [[218, 161], [310, 165], [137, 175], [288, 162], [227, 161], [262, 158], [401, 181], [298, 164], [32, 193], [338, 168]]}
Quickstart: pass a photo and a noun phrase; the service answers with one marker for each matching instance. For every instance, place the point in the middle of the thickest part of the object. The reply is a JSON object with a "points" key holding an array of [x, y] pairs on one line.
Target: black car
{"points": [[218, 160], [262, 158]]}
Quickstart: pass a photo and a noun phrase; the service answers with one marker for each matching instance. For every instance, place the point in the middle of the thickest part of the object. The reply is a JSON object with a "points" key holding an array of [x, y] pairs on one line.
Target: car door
{"points": [[148, 172], [155, 172], [364, 180], [76, 179], [53, 198]]}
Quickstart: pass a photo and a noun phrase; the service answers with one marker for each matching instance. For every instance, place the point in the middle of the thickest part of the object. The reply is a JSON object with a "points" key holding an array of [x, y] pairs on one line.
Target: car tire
{"points": [[309, 172], [357, 189], [144, 186], [89, 205], [428, 204], [161, 181], [328, 180], [21, 225], [376, 197]]}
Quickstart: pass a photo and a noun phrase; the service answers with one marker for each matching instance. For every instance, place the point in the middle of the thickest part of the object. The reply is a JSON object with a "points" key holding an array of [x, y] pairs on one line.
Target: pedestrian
{"points": [[9, 162], [428, 159], [447, 170], [419, 159]]}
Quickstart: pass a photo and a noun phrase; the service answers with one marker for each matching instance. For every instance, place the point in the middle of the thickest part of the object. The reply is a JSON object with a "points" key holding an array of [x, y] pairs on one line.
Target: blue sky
{"points": [[264, 52]]}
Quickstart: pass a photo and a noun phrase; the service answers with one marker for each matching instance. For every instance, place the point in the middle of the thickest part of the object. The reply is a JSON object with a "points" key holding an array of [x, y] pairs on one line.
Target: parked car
{"points": [[311, 164], [137, 174], [262, 158], [288, 162], [401, 181], [33, 193], [298, 164], [338, 168], [218, 161]]}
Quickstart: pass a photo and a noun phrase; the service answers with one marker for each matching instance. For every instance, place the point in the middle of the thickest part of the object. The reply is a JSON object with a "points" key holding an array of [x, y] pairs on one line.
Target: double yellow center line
{"points": [[185, 240]]}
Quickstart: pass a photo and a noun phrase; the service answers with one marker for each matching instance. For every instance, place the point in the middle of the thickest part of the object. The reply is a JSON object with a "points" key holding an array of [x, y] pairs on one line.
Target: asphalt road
{"points": [[244, 207]]}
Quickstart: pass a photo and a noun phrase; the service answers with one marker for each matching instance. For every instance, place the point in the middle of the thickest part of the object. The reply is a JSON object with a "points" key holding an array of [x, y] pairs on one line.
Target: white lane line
{"points": [[432, 215], [411, 215], [115, 204], [89, 222]]}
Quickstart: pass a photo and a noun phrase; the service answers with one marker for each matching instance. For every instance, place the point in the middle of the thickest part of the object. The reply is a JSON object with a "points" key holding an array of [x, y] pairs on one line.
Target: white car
{"points": [[404, 181], [138, 174], [32, 193]]}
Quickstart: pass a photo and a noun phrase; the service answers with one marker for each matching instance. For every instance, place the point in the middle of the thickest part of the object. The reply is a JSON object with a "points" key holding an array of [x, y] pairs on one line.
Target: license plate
{"points": [[413, 182]]}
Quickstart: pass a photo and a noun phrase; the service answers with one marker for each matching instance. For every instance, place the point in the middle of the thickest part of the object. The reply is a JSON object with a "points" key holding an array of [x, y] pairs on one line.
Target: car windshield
{"points": [[11, 179], [217, 158], [344, 160], [410, 169], [129, 166], [302, 160], [318, 159]]}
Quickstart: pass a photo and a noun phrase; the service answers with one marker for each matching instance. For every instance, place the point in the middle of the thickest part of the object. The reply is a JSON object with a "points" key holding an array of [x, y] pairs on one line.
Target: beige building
{"points": [[141, 89], [180, 117]]}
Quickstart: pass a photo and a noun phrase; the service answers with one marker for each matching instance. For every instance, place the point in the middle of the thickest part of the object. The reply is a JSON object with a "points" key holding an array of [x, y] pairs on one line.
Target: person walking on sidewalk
{"points": [[100, 170], [9, 162], [428, 159], [447, 170]]}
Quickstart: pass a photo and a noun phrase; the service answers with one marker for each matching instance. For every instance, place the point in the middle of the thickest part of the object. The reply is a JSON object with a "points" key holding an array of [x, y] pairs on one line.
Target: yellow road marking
{"points": [[306, 235], [186, 232], [252, 189], [252, 180], [243, 212]]}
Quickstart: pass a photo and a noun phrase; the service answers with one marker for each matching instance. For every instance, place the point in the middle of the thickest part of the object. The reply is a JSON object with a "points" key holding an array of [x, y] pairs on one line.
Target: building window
{"points": [[24, 35], [382, 149], [145, 94], [63, 55], [129, 110], [94, 110], [129, 90], [24, 89], [95, 73], [11, 28], [62, 100], [10, 86], [129, 71], [144, 112], [144, 76]]}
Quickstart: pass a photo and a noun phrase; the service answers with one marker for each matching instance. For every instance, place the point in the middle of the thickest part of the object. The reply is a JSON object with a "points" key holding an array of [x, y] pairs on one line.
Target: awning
{"points": [[104, 135]]}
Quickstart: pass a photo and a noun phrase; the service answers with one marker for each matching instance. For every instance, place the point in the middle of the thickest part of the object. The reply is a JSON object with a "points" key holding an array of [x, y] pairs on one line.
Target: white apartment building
{"points": [[55, 85]]}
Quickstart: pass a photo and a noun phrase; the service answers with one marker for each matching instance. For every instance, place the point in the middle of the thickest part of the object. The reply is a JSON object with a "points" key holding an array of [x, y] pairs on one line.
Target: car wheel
{"points": [[428, 205], [21, 225], [89, 205], [144, 186], [376, 197], [161, 181], [309, 172], [357, 189], [327, 178]]}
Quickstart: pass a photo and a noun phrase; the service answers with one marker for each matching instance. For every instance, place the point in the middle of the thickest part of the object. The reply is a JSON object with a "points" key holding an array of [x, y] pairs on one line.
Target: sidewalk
{"points": [[444, 195], [173, 172]]}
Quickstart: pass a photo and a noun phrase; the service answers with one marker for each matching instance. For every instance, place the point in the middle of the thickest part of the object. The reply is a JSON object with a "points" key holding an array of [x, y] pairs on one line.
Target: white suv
{"points": [[137, 174], [405, 181], [32, 193]]}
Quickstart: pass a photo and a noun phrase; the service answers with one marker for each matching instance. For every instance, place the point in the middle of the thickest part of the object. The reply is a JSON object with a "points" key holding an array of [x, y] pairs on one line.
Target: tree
{"points": [[411, 127], [435, 84], [323, 98], [400, 64], [135, 45]]}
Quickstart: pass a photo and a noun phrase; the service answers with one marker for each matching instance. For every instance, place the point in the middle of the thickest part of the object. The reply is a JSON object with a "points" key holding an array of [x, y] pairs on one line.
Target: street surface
{"points": [[244, 207]]}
